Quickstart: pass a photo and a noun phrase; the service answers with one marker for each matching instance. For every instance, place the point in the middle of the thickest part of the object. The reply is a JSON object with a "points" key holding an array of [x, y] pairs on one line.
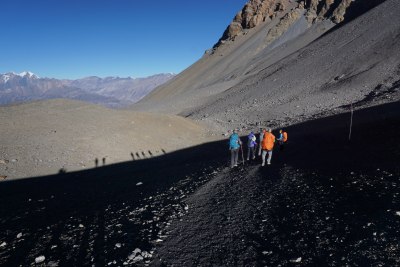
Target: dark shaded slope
{"points": [[325, 201], [102, 215], [357, 8]]}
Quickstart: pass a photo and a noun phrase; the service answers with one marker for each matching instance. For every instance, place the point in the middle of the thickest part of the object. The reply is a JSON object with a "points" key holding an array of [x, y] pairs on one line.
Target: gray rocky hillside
{"points": [[289, 61]]}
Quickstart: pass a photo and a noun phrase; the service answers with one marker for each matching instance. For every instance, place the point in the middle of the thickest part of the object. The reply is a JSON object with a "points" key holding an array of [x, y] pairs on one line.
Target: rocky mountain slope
{"points": [[293, 63], [256, 12], [110, 91]]}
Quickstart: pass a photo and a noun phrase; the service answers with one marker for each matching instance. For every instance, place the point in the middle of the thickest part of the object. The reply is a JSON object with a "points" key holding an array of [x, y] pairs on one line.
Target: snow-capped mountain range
{"points": [[109, 91], [7, 76]]}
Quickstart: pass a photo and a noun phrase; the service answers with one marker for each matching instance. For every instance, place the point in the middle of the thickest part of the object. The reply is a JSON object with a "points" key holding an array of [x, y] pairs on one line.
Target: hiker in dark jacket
{"points": [[251, 146], [234, 146], [261, 137], [282, 139]]}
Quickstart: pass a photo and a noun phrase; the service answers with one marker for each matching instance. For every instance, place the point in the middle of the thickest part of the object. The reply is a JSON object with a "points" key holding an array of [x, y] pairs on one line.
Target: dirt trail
{"points": [[324, 201]]}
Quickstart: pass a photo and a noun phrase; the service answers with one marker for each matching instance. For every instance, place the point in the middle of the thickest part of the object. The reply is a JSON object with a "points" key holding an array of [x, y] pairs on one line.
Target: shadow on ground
{"points": [[325, 200], [100, 215]]}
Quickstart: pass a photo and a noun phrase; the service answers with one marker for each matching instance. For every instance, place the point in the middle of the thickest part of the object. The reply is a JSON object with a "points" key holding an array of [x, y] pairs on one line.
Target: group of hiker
{"points": [[265, 145]]}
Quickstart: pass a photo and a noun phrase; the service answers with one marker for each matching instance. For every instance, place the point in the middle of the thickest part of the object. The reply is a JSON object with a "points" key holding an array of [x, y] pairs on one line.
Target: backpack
{"points": [[251, 140], [285, 136], [234, 141]]}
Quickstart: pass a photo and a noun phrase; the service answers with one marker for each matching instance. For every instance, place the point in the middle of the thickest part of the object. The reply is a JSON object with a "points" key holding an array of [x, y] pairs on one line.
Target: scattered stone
{"points": [[159, 240], [138, 184], [19, 235], [52, 264], [3, 244], [118, 245], [298, 260], [3, 161], [137, 259], [398, 213], [146, 255], [14, 160], [40, 259], [81, 226], [135, 253], [3, 177]]}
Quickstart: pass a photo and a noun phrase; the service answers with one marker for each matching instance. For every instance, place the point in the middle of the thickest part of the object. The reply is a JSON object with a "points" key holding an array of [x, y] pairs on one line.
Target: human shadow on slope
{"points": [[94, 213]]}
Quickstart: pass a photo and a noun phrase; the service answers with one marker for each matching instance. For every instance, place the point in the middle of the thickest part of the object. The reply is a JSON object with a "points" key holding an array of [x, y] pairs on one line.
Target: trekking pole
{"points": [[351, 120], [241, 148]]}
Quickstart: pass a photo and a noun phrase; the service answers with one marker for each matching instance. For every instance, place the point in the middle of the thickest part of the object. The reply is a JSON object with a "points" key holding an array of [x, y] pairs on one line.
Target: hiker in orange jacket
{"points": [[267, 146], [282, 139]]}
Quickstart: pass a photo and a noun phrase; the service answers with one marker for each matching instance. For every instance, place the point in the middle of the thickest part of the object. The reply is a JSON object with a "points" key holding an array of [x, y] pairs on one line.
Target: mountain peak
{"points": [[27, 73]]}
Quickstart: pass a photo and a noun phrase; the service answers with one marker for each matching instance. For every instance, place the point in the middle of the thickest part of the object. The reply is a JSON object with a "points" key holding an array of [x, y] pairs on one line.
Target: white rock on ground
{"points": [[3, 244], [19, 235], [137, 259], [40, 259], [296, 260], [134, 253], [146, 255]]}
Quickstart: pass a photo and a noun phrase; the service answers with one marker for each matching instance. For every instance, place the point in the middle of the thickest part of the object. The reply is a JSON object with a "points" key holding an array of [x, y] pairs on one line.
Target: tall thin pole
{"points": [[351, 120], [241, 148]]}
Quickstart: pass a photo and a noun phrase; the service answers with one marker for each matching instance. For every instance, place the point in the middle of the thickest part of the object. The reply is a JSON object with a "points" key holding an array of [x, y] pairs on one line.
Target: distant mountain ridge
{"points": [[109, 91]]}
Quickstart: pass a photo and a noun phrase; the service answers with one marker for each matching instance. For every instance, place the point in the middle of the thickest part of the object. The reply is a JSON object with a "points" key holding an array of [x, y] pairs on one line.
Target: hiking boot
{"points": [[269, 163], [262, 164]]}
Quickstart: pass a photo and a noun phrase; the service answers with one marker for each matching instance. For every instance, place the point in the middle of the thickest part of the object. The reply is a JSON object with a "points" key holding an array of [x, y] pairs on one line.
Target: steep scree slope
{"points": [[279, 70]]}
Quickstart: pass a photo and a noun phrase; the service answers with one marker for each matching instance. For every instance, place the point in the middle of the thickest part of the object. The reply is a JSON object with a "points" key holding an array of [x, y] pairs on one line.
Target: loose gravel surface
{"points": [[324, 201], [111, 215]]}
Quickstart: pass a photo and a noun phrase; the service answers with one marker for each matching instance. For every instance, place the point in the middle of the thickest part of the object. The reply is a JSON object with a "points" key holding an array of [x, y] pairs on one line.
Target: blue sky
{"points": [[78, 38]]}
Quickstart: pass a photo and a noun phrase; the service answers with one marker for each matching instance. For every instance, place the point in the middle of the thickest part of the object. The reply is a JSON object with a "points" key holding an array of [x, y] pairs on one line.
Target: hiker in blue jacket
{"points": [[251, 146], [234, 146]]}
